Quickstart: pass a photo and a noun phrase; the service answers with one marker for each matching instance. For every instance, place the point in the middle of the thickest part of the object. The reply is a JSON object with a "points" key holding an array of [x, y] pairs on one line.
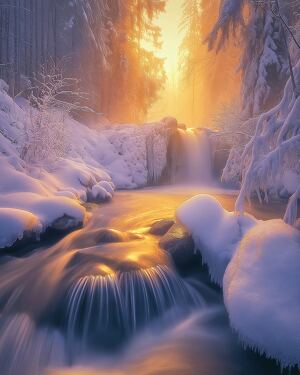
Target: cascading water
{"points": [[105, 310], [25, 348], [79, 302], [195, 157], [91, 292]]}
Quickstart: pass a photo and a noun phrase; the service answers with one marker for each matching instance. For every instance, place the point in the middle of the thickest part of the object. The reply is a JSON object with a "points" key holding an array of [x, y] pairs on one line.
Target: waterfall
{"points": [[195, 161], [103, 310], [95, 313]]}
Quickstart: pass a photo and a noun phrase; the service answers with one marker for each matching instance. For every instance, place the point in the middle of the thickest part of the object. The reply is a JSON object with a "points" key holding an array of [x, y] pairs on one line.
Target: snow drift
{"points": [[257, 263], [261, 291], [15, 224], [216, 232]]}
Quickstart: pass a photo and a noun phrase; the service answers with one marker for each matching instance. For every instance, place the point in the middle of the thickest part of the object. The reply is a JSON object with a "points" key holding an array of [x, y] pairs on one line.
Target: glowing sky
{"points": [[169, 22]]}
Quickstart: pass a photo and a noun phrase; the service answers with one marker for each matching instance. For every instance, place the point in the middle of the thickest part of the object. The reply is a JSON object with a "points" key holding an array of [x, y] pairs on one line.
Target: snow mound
{"points": [[100, 194], [14, 224], [261, 291], [47, 209], [216, 232]]}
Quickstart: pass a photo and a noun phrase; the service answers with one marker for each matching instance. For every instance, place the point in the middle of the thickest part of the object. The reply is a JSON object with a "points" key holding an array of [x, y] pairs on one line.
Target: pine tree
{"points": [[208, 80], [264, 62]]}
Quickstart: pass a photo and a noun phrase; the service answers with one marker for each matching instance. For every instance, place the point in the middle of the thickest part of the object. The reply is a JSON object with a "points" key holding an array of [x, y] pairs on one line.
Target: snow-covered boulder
{"points": [[261, 291], [142, 153], [48, 209], [216, 232], [31, 214], [16, 224], [100, 194]]}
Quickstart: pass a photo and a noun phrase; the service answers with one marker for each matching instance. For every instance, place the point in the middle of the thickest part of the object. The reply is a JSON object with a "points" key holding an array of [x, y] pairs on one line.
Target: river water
{"points": [[84, 307]]}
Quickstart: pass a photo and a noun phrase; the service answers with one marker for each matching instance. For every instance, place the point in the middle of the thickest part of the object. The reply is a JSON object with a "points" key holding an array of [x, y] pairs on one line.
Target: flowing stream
{"points": [[111, 302]]}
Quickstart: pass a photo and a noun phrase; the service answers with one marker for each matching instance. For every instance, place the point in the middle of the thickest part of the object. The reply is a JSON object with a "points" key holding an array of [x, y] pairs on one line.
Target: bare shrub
{"points": [[52, 99]]}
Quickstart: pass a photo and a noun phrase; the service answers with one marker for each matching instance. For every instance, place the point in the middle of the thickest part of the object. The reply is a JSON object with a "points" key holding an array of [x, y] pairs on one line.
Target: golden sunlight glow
{"points": [[169, 22], [105, 269], [195, 98]]}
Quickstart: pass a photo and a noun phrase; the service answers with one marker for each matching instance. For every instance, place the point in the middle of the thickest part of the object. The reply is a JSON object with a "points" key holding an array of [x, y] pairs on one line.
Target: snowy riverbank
{"points": [[91, 164], [257, 264]]}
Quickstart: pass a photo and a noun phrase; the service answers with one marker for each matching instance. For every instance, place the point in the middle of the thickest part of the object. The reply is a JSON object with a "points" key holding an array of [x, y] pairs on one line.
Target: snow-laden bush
{"points": [[52, 98], [46, 135]]}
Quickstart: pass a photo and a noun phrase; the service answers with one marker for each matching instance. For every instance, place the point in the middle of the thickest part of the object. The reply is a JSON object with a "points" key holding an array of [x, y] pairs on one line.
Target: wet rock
{"points": [[103, 236], [107, 235], [128, 266], [66, 223], [180, 245], [161, 227]]}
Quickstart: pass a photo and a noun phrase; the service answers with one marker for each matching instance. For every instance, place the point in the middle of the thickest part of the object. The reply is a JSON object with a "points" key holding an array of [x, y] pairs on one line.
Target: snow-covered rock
{"points": [[100, 194], [15, 224], [216, 232], [142, 153], [261, 291], [47, 209], [31, 214]]}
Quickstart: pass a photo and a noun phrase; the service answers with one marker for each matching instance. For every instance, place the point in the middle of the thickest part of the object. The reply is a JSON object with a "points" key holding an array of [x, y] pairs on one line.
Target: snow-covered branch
{"points": [[274, 149]]}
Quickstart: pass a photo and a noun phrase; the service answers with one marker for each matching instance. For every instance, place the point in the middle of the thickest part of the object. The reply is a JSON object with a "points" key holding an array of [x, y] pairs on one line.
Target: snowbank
{"points": [[216, 232], [15, 224], [261, 291], [47, 209], [91, 164], [257, 263]]}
